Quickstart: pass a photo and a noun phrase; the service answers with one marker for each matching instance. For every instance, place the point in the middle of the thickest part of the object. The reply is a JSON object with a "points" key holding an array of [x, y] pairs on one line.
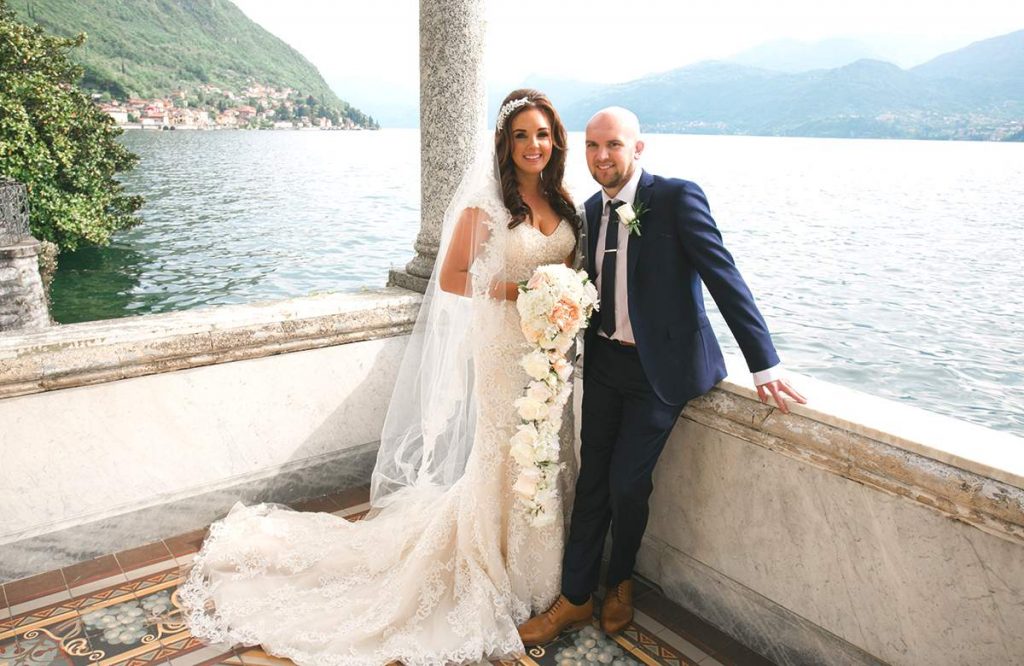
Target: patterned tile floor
{"points": [[120, 610]]}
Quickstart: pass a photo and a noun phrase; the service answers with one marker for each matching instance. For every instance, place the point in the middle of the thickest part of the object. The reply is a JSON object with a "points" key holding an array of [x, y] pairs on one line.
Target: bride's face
{"points": [[531, 141]]}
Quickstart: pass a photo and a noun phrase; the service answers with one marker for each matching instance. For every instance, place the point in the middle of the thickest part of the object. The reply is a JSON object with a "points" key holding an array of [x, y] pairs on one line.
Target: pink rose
{"points": [[566, 314]]}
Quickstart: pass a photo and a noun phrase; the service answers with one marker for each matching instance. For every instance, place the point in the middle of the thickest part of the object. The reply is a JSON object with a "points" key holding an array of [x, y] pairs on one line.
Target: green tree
{"points": [[57, 142]]}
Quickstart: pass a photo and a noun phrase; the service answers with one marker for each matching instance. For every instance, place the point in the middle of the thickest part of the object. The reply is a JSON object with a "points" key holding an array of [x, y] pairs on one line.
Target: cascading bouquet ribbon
{"points": [[554, 305]]}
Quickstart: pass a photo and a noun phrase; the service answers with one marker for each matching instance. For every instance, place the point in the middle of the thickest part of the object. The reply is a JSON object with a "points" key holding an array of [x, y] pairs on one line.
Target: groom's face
{"points": [[612, 151]]}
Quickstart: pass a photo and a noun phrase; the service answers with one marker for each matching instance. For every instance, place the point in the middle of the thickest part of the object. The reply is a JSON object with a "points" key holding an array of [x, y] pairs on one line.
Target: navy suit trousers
{"points": [[625, 426]]}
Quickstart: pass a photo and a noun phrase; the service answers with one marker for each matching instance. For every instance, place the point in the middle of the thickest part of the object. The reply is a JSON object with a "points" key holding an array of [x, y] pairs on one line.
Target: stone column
{"points": [[22, 299], [453, 114]]}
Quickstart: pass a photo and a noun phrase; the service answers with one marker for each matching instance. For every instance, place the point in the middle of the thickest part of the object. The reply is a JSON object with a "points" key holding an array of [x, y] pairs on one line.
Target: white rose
{"points": [[526, 434], [544, 433], [536, 365], [522, 453], [556, 420], [523, 445], [528, 307], [563, 369], [562, 342], [590, 294], [626, 213], [531, 410], [531, 333], [539, 391], [545, 452], [546, 496], [526, 484]]}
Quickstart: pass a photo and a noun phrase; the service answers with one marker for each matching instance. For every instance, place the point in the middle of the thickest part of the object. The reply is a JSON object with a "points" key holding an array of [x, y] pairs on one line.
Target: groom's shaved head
{"points": [[613, 146], [624, 118]]}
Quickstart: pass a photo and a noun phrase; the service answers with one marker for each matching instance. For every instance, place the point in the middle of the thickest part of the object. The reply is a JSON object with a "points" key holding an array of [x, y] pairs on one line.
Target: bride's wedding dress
{"points": [[438, 576]]}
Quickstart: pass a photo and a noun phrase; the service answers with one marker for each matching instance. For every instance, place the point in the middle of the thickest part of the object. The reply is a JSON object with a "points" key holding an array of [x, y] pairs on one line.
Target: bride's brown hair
{"points": [[551, 177]]}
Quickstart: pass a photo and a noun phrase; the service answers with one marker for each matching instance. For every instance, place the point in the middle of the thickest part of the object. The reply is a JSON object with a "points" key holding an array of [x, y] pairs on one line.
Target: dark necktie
{"points": [[611, 247]]}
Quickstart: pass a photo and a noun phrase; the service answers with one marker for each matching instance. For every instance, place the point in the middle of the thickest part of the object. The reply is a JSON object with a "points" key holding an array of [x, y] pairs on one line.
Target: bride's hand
{"points": [[504, 291]]}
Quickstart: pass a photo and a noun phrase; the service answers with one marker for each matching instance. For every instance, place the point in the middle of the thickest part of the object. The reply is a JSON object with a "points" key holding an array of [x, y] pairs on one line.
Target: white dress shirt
{"points": [[623, 327]]}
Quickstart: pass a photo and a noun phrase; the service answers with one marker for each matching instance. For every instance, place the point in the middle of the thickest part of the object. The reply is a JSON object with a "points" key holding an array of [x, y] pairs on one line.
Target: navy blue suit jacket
{"points": [[679, 247]]}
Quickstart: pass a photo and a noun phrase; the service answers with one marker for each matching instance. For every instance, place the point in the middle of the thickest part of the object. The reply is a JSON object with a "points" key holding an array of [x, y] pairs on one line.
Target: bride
{"points": [[448, 563]]}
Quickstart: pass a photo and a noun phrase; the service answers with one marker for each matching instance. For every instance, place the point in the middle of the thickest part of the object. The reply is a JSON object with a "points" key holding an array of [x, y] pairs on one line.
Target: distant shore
{"points": [[186, 128], [209, 107]]}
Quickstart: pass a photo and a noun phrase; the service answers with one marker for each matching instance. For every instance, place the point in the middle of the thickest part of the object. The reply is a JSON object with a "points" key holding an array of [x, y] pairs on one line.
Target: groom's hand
{"points": [[776, 389]]}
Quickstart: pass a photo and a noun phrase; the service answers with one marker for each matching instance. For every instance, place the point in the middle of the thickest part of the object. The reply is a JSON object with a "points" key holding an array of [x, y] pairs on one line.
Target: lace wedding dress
{"points": [[440, 575]]}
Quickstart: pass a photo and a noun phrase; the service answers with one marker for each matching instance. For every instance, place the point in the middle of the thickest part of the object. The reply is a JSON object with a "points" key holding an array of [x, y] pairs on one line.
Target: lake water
{"points": [[893, 267]]}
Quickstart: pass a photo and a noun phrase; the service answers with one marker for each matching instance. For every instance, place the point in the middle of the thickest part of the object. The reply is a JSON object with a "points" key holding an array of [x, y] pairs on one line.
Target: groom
{"points": [[648, 351]]}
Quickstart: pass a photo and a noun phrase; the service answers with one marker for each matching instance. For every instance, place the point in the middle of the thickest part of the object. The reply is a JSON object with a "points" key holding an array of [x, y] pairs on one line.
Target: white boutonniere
{"points": [[632, 217]]}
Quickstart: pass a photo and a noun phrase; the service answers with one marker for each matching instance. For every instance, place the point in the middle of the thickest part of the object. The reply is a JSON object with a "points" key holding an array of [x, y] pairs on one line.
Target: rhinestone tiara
{"points": [[508, 108]]}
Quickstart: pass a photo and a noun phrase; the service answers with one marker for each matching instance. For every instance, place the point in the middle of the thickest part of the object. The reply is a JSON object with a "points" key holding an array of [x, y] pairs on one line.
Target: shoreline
{"points": [[136, 127]]}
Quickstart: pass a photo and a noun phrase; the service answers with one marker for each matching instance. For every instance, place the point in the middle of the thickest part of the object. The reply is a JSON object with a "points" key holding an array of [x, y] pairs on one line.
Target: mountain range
{"points": [[976, 92], [832, 88]]}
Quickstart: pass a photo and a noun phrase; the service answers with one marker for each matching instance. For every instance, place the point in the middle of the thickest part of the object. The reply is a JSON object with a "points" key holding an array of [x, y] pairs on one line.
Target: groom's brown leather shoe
{"points": [[617, 609], [562, 615]]}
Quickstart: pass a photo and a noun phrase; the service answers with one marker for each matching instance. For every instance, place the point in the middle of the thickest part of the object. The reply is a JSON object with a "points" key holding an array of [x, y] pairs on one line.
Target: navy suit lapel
{"points": [[644, 192], [593, 211]]}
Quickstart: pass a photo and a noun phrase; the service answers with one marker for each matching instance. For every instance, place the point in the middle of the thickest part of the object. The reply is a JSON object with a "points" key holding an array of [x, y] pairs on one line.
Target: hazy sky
{"points": [[616, 41]]}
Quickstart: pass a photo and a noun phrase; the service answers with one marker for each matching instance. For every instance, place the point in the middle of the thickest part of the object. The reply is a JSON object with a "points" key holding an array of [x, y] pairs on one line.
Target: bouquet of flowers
{"points": [[554, 305]]}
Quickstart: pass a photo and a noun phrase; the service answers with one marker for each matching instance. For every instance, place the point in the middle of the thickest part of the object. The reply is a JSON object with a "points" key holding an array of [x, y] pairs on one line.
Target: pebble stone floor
{"points": [[120, 609]]}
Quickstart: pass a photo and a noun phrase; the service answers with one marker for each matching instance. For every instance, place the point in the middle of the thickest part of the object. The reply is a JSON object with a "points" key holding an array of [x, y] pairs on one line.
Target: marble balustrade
{"points": [[856, 530], [117, 433]]}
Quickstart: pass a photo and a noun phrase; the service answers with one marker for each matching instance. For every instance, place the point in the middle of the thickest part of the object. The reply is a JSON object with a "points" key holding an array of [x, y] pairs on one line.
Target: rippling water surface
{"points": [[893, 267]]}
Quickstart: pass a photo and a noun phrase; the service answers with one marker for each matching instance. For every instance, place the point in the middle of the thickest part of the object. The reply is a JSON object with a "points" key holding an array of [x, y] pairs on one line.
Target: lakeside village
{"points": [[209, 107]]}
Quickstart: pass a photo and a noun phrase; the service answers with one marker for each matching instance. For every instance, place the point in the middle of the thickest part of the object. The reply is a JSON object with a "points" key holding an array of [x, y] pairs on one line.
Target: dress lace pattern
{"points": [[436, 577]]}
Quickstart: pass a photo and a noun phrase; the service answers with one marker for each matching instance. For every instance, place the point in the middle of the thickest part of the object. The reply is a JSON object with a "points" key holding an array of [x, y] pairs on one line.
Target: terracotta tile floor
{"points": [[118, 610]]}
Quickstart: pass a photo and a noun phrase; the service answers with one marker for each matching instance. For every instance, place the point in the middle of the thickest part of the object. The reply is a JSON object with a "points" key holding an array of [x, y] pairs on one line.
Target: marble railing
{"points": [[117, 433], [855, 530], [103, 351]]}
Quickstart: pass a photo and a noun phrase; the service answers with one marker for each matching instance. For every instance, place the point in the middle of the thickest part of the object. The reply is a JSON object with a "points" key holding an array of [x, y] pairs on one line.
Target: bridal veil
{"points": [[428, 431]]}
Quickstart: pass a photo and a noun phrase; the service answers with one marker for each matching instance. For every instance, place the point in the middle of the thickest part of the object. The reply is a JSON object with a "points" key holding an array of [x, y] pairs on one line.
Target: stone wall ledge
{"points": [[95, 352], [28, 247], [967, 472]]}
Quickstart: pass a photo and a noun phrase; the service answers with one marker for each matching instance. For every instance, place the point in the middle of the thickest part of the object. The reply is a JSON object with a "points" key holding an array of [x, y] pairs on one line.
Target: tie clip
{"points": [[607, 251]]}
